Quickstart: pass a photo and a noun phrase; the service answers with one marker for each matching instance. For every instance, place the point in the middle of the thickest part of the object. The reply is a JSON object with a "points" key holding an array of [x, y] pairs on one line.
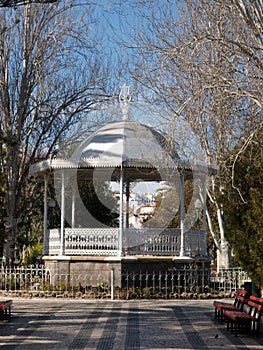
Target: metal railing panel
{"points": [[105, 241]]}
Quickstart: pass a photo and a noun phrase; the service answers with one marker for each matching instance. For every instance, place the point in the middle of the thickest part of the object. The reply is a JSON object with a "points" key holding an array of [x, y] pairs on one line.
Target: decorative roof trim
{"points": [[49, 165]]}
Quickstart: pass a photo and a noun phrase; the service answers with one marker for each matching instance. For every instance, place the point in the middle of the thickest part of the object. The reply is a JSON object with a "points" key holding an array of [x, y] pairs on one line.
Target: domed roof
{"points": [[125, 143], [145, 154]]}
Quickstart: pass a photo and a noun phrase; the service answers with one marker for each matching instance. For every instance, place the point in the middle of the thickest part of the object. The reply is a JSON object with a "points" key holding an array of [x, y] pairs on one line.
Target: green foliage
{"points": [[243, 206], [30, 236], [33, 253]]}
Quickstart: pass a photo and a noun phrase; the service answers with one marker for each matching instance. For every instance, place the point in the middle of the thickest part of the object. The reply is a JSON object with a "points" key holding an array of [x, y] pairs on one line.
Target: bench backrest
{"points": [[5, 304], [255, 305], [240, 301], [240, 294]]}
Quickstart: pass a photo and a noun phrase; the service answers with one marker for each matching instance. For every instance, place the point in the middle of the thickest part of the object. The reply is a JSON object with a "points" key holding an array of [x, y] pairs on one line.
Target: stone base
{"points": [[96, 271]]}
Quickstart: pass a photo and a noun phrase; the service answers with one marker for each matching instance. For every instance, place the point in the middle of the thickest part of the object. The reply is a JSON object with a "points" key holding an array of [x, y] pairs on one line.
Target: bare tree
{"points": [[203, 60], [52, 74]]}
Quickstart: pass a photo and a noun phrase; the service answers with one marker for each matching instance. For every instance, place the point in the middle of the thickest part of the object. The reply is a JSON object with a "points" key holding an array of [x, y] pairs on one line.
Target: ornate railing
{"points": [[106, 242], [162, 242], [94, 241], [84, 241], [228, 279], [185, 281]]}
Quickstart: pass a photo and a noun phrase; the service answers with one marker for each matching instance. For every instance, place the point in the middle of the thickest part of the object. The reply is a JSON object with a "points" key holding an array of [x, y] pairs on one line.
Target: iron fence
{"points": [[188, 281], [228, 279]]}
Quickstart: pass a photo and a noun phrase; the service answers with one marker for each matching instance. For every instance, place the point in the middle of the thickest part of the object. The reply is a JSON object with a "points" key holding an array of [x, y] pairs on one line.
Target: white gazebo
{"points": [[123, 152]]}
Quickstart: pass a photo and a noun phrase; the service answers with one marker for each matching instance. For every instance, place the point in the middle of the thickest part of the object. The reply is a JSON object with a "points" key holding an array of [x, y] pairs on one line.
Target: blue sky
{"points": [[113, 18]]}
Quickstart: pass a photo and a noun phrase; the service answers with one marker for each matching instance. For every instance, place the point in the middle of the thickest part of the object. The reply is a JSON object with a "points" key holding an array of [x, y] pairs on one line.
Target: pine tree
{"points": [[243, 206]]}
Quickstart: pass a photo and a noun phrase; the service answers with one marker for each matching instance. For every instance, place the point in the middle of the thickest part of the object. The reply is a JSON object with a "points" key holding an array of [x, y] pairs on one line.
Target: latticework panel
{"points": [[105, 241], [95, 241]]}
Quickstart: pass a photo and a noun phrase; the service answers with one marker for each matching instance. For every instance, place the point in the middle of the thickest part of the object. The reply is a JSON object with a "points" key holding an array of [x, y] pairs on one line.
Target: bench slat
{"points": [[250, 320], [221, 307]]}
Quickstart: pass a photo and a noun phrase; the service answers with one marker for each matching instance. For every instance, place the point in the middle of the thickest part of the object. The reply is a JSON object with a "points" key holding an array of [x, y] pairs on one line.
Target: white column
{"points": [[204, 217], [126, 225], [73, 207], [62, 213], [182, 247], [121, 212], [45, 215], [112, 283]]}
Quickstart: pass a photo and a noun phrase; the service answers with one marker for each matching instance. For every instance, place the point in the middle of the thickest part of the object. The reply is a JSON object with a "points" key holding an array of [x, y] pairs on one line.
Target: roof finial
{"points": [[125, 98]]}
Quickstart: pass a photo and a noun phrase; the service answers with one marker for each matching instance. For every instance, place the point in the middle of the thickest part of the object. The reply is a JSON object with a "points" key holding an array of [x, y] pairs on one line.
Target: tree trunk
{"points": [[223, 255], [12, 200], [9, 248]]}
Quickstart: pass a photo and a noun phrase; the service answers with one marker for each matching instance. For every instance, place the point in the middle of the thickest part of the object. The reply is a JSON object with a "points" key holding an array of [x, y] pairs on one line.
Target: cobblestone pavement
{"points": [[118, 325]]}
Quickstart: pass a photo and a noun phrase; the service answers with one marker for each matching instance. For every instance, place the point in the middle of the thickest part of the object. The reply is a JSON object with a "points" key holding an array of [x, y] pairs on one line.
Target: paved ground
{"points": [[118, 325]]}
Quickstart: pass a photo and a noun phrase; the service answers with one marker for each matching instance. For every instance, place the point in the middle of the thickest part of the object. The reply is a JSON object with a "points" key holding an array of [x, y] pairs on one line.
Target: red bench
{"points": [[246, 321], [221, 307], [5, 309]]}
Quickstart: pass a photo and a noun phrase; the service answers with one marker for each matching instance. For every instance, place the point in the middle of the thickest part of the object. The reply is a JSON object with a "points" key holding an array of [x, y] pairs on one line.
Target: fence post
{"points": [[112, 283]]}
